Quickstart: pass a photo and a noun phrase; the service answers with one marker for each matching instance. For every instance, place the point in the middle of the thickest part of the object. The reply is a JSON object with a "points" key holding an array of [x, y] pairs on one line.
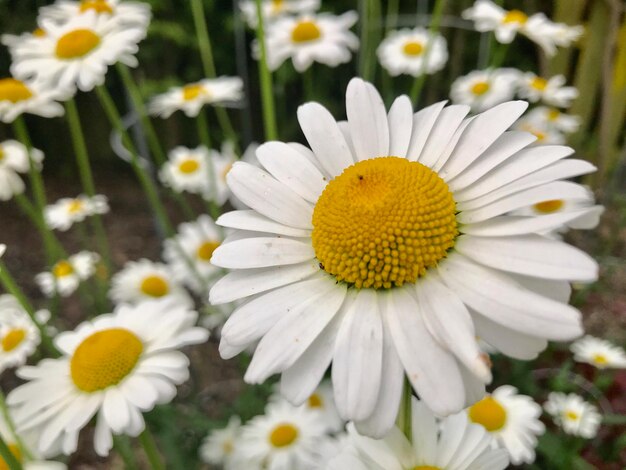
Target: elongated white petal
{"points": [[400, 119], [367, 119], [261, 252], [253, 221], [423, 122], [445, 127], [508, 341], [449, 148]]}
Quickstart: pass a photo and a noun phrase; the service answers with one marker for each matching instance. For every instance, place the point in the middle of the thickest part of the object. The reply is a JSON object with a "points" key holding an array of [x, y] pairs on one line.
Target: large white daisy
{"points": [[116, 367], [65, 212], [386, 249], [599, 353], [19, 336], [18, 97], [66, 275], [413, 52], [573, 414], [125, 13], [273, 9]]}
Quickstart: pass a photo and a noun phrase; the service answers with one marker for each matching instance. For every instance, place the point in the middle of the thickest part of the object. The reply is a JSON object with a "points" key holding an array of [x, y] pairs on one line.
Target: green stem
{"points": [[267, 95], [123, 447], [149, 446], [364, 53], [8, 456], [203, 129], [392, 15], [498, 58], [405, 419], [38, 220], [615, 420], [9, 422], [307, 84], [205, 138]]}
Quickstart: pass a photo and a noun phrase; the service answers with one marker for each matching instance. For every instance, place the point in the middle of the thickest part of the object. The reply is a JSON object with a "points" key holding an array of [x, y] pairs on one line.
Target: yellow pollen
{"points": [[188, 166], [17, 453], [205, 251], [600, 359], [191, 92], [539, 83], [480, 88], [488, 413], [277, 6], [315, 401], [104, 359], [39, 33], [571, 415], [413, 48], [548, 207], [99, 6], [305, 31], [62, 268], [13, 339], [155, 286], [76, 44], [553, 114], [515, 16], [425, 467], [13, 90], [283, 435], [228, 447], [383, 222], [75, 206]]}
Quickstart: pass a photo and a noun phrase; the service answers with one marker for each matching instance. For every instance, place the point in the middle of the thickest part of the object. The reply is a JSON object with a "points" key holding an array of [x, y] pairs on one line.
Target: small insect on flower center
{"points": [[13, 339], [515, 16], [315, 401], [383, 222], [189, 166], [571, 415], [539, 83], [600, 359], [155, 286], [205, 251], [283, 435], [548, 207], [17, 453], [99, 6], [191, 92], [76, 44], [305, 31], [104, 359], [488, 413], [413, 48], [14, 90], [480, 88], [62, 268]]}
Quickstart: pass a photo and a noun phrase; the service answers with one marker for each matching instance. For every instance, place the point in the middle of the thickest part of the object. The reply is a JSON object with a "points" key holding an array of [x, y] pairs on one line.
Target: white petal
{"points": [[423, 122], [425, 431], [400, 119], [115, 410], [261, 252], [449, 148], [510, 342], [253, 221], [445, 127]]}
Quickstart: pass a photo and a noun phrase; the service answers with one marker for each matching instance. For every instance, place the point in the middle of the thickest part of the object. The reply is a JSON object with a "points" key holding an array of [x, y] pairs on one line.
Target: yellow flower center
{"points": [[191, 92], [383, 222], [75, 206], [17, 453], [488, 413], [277, 6], [62, 268], [13, 339], [283, 435], [228, 447], [315, 401], [14, 90], [540, 135], [480, 88], [76, 44], [1, 153], [155, 286], [553, 114], [425, 467], [226, 170], [515, 16], [600, 359], [104, 359], [571, 415], [39, 33], [99, 6], [189, 166], [305, 31], [539, 83], [413, 48], [205, 251], [548, 207]]}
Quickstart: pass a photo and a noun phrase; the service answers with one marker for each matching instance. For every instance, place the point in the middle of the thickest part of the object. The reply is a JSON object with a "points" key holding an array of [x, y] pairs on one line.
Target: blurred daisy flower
{"points": [[14, 160], [344, 268], [19, 336], [221, 91], [188, 170], [273, 9], [484, 89], [549, 91], [114, 367], [78, 52], [513, 421], [18, 97], [573, 414], [125, 13], [599, 353], [563, 35], [323, 38], [144, 280], [220, 447], [67, 211], [412, 52], [66, 275], [545, 133], [553, 117], [452, 444]]}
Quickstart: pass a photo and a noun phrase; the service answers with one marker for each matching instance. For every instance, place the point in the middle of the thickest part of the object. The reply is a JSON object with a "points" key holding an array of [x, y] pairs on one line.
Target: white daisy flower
{"points": [[272, 9], [544, 133], [18, 97], [599, 353], [66, 275], [116, 367], [11, 41], [284, 438], [125, 13], [550, 91], [221, 91], [67, 211], [453, 444], [19, 336], [222, 163], [413, 52], [323, 38], [573, 414], [563, 35], [144, 280], [188, 170], [374, 251], [484, 89], [197, 240], [78, 52], [220, 447], [13, 160], [553, 117], [513, 421]]}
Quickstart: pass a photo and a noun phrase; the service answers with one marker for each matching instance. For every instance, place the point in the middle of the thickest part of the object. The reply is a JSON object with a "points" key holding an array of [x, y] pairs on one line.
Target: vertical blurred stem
{"points": [[123, 447], [11, 427], [265, 76], [307, 84], [497, 59], [150, 447], [8, 457], [205, 138], [364, 52], [392, 15], [404, 421], [203, 129], [50, 241]]}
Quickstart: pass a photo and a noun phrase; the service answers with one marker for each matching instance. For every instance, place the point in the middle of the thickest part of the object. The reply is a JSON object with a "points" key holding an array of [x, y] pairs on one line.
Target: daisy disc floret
{"points": [[19, 97]]}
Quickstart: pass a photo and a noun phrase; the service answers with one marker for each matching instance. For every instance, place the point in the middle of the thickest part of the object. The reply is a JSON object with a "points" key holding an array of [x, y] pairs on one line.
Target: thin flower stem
{"points": [[39, 222], [307, 84], [392, 15], [8, 456], [205, 139], [203, 129], [404, 421], [124, 449], [364, 53], [9, 422], [265, 76], [149, 446], [498, 58]]}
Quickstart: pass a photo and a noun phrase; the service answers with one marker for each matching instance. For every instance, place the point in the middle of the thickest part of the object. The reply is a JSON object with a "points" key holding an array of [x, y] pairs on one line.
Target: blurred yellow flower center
{"points": [[488, 413], [77, 43], [553, 114], [155, 286], [1, 153], [191, 92], [62, 268], [305, 31], [228, 447], [75, 206], [515, 16], [205, 251], [548, 207], [277, 6], [189, 166], [413, 48], [540, 135], [480, 88], [315, 401], [600, 359], [17, 453], [383, 222], [571, 415], [13, 339], [227, 168], [39, 33], [425, 467], [539, 83], [99, 6], [104, 359], [13, 90], [283, 435]]}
